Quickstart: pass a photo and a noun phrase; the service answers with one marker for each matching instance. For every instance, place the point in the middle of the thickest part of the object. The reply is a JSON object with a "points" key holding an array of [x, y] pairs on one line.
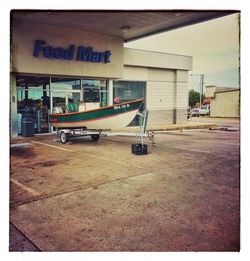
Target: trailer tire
{"points": [[95, 137], [64, 137]]}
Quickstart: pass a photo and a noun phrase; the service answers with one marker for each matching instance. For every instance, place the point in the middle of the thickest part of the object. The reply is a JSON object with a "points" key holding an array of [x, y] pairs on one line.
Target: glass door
{"points": [[66, 94], [73, 100], [58, 102], [33, 101], [103, 93], [95, 93]]}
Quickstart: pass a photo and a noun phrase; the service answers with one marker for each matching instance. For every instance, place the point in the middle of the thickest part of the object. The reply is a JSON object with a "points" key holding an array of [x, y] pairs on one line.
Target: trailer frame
{"points": [[65, 134]]}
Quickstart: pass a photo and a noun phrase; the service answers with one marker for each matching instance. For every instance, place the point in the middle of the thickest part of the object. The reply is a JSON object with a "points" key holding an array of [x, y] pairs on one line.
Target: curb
{"points": [[172, 127], [225, 129], [183, 127]]}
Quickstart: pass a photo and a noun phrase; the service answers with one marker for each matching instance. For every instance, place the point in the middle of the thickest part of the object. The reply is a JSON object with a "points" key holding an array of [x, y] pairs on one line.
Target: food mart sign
{"points": [[73, 52]]}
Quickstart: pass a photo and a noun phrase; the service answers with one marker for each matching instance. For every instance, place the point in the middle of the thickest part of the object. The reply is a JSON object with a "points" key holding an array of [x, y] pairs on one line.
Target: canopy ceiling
{"points": [[129, 25]]}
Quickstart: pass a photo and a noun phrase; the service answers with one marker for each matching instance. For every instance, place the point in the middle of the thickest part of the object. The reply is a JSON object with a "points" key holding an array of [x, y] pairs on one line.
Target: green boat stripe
{"points": [[95, 114], [100, 118]]}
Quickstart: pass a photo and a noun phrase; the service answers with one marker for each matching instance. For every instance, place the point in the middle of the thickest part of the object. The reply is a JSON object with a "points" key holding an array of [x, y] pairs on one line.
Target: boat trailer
{"points": [[65, 134]]}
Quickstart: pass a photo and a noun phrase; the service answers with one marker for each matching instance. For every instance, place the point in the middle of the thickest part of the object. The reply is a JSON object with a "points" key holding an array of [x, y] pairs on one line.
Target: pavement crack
{"points": [[78, 189]]}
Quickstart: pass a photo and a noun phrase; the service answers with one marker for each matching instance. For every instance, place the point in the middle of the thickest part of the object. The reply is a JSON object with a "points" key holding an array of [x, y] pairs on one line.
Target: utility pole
{"points": [[200, 85]]}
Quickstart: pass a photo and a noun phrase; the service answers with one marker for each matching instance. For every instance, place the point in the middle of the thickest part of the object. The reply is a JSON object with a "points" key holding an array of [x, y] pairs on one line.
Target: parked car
{"points": [[195, 112], [204, 110]]}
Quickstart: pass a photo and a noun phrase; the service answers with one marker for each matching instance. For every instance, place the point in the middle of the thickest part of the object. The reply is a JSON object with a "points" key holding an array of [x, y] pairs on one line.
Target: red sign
{"points": [[117, 99]]}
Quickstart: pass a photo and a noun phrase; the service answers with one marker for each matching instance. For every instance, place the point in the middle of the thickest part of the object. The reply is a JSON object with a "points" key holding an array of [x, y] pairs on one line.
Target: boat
{"points": [[115, 116]]}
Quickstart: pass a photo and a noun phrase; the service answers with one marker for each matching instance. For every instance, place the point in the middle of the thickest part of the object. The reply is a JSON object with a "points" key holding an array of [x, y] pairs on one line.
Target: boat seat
{"points": [[57, 110]]}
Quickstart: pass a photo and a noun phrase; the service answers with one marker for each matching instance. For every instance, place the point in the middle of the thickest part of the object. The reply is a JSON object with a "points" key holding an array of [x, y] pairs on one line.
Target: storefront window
{"points": [[59, 101], [104, 96], [128, 91], [66, 93], [39, 96], [33, 101], [65, 84], [91, 94], [95, 91]]}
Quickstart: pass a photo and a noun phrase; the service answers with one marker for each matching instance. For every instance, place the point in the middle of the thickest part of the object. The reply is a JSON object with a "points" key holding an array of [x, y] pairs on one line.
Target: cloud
{"points": [[223, 78], [214, 46], [214, 36], [216, 62], [228, 78]]}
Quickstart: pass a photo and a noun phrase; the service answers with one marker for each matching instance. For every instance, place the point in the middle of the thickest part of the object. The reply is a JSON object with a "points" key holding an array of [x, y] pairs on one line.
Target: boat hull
{"points": [[111, 117]]}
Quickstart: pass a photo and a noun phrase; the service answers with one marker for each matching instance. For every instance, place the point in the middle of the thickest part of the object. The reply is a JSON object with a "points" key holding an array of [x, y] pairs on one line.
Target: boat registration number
{"points": [[123, 106]]}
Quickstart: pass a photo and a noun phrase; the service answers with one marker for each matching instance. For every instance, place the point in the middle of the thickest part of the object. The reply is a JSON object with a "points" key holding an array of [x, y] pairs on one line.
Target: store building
{"points": [[224, 102], [55, 63]]}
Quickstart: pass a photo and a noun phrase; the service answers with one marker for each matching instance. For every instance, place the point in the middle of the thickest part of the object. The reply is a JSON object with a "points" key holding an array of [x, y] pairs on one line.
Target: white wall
{"points": [[166, 76], [226, 104], [181, 89], [166, 92], [160, 95], [156, 59], [132, 73], [210, 91]]}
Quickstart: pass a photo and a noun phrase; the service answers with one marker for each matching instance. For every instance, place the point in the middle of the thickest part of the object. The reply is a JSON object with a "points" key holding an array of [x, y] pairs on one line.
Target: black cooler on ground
{"points": [[139, 149]]}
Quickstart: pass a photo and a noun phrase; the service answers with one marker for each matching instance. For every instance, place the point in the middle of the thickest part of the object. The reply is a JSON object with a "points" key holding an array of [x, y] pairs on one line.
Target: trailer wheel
{"points": [[95, 137], [64, 137]]}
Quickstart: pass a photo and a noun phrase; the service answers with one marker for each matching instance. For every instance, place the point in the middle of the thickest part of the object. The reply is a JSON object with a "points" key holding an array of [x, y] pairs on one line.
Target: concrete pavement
{"points": [[86, 196]]}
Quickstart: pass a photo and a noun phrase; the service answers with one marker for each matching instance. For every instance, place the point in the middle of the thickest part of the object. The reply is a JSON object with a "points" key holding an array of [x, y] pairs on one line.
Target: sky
{"points": [[214, 46]]}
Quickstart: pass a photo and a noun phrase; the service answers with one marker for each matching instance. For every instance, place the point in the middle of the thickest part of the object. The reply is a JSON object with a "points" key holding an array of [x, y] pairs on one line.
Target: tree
{"points": [[194, 98]]}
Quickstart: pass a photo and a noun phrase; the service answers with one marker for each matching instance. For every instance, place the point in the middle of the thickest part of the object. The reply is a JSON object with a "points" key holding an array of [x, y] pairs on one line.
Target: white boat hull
{"points": [[112, 122]]}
